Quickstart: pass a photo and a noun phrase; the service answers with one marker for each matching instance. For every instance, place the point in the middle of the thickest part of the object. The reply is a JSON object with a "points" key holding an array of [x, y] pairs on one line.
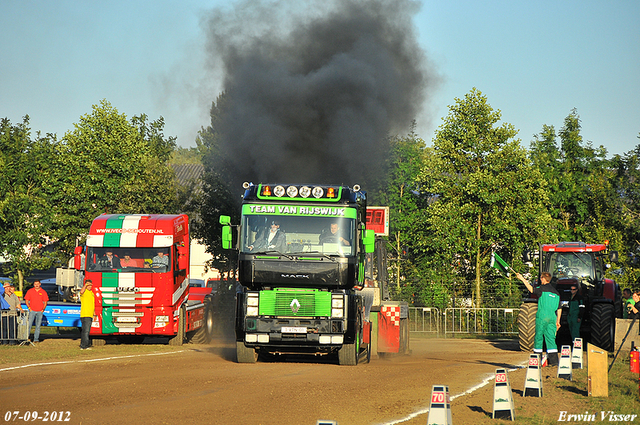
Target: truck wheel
{"points": [[203, 334], [245, 354], [347, 355], [178, 340], [527, 325], [603, 326], [97, 342], [404, 336]]}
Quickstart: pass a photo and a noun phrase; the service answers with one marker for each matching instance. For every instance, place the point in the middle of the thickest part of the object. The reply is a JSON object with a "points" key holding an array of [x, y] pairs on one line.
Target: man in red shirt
{"points": [[36, 299]]}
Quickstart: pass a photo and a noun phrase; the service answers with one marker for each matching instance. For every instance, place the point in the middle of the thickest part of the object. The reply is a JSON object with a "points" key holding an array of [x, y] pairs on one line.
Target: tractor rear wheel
{"points": [[527, 325], [603, 324]]}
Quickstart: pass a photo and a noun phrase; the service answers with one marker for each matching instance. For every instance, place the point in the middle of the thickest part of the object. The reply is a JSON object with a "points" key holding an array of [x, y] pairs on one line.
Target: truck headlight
{"points": [[337, 306], [253, 303]]}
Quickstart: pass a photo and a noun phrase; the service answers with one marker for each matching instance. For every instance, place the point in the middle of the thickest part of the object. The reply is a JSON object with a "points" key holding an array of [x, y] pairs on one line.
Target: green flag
{"points": [[499, 264]]}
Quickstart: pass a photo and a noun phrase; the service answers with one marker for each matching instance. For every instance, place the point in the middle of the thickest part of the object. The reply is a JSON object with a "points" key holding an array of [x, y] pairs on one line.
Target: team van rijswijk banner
{"points": [[299, 210]]}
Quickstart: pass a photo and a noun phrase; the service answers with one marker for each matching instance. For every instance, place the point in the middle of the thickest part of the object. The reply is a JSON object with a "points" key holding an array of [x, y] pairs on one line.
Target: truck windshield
{"points": [[128, 259], [297, 234], [569, 265]]}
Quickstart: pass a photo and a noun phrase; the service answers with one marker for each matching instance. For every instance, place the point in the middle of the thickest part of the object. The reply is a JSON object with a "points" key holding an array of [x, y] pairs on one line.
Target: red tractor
{"points": [[582, 264]]}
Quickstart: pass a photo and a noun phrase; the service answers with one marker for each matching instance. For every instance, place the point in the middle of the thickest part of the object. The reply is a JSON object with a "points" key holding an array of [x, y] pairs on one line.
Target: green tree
{"points": [[400, 194], [24, 208], [109, 164], [576, 175], [488, 194], [218, 198], [627, 210]]}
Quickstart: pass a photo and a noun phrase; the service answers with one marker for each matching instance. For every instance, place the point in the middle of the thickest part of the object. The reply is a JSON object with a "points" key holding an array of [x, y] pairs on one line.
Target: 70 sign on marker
{"points": [[438, 397]]}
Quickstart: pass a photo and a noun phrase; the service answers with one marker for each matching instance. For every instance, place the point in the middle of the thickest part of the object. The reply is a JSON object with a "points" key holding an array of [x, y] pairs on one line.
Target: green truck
{"points": [[301, 266]]}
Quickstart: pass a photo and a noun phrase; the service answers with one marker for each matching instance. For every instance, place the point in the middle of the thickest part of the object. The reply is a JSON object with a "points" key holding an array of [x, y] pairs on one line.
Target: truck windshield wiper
{"points": [[274, 252], [328, 257]]}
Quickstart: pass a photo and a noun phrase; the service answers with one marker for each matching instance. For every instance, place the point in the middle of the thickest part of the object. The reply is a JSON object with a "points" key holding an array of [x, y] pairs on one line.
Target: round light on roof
{"points": [[278, 191], [292, 191], [356, 187], [317, 192], [305, 191]]}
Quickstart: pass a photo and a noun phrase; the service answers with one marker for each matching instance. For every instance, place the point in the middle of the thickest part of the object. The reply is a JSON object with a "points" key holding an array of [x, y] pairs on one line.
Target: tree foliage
{"points": [[108, 164], [488, 194], [24, 208], [401, 195], [218, 197]]}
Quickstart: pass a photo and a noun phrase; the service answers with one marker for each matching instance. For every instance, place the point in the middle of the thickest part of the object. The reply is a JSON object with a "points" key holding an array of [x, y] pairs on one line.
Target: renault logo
{"points": [[295, 306]]}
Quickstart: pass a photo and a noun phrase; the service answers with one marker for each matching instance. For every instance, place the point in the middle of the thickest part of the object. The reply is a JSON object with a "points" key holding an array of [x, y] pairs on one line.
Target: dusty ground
{"points": [[202, 384]]}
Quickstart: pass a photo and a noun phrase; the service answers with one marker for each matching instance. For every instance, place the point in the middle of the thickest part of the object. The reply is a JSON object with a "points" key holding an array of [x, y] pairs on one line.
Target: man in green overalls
{"points": [[576, 310], [547, 317]]}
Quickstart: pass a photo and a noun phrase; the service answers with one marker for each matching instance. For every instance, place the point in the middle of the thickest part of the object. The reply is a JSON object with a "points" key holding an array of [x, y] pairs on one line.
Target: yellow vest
{"points": [[87, 304]]}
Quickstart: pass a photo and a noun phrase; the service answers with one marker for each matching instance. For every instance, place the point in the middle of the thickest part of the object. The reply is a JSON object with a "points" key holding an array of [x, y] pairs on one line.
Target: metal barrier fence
{"points": [[494, 321], [425, 320], [14, 328], [486, 321]]}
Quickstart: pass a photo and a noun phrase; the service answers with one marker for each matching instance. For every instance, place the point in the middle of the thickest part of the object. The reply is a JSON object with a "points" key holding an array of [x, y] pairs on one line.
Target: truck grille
{"points": [[295, 303]]}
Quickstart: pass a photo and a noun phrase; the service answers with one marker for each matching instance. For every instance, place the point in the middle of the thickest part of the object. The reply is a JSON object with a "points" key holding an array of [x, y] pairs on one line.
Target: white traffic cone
{"points": [[440, 407], [502, 395], [564, 366], [533, 380], [576, 354]]}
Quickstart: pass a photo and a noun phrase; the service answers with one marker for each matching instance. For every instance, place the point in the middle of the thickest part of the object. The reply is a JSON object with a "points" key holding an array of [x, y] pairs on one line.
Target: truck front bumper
{"points": [[294, 331]]}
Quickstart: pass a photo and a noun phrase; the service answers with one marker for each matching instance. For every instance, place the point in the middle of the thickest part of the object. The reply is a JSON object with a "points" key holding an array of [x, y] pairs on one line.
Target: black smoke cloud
{"points": [[314, 88]]}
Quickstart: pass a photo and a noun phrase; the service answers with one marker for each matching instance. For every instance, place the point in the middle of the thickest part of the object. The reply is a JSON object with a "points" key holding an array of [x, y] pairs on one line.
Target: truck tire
{"points": [[527, 325], [348, 355], [245, 354], [203, 334], [603, 326], [178, 340]]}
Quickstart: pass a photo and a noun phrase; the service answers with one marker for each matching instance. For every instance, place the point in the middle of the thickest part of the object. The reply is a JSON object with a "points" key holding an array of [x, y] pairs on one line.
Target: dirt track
{"points": [[202, 384]]}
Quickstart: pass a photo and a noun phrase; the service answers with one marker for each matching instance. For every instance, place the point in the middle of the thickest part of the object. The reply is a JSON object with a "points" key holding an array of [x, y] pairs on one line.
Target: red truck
{"points": [[139, 265]]}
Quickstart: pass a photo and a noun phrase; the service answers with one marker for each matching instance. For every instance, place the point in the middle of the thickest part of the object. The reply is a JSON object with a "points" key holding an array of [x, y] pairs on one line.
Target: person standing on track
{"points": [[547, 317], [36, 300], [576, 311], [87, 309]]}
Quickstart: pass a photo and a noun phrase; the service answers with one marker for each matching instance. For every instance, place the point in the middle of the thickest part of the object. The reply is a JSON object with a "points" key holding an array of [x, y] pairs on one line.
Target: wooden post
{"points": [[597, 371]]}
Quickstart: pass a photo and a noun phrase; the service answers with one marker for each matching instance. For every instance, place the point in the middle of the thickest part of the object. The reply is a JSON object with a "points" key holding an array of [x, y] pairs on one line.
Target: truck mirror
{"points": [[77, 258], [613, 256], [226, 236], [527, 257], [183, 258], [225, 219], [369, 240]]}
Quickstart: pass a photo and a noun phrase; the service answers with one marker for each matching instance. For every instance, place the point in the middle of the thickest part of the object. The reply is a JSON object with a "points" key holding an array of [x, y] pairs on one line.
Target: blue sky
{"points": [[535, 61]]}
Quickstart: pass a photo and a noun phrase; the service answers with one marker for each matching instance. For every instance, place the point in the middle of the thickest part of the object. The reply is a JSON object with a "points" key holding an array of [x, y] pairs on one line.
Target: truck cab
{"points": [[301, 266]]}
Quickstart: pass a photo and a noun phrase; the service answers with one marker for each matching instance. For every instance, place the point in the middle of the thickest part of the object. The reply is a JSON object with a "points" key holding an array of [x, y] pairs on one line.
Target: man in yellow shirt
{"points": [[87, 309]]}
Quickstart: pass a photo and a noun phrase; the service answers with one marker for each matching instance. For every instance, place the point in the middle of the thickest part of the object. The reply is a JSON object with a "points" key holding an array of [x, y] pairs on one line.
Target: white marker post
{"points": [[533, 380], [564, 366], [440, 407], [502, 395], [576, 354]]}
